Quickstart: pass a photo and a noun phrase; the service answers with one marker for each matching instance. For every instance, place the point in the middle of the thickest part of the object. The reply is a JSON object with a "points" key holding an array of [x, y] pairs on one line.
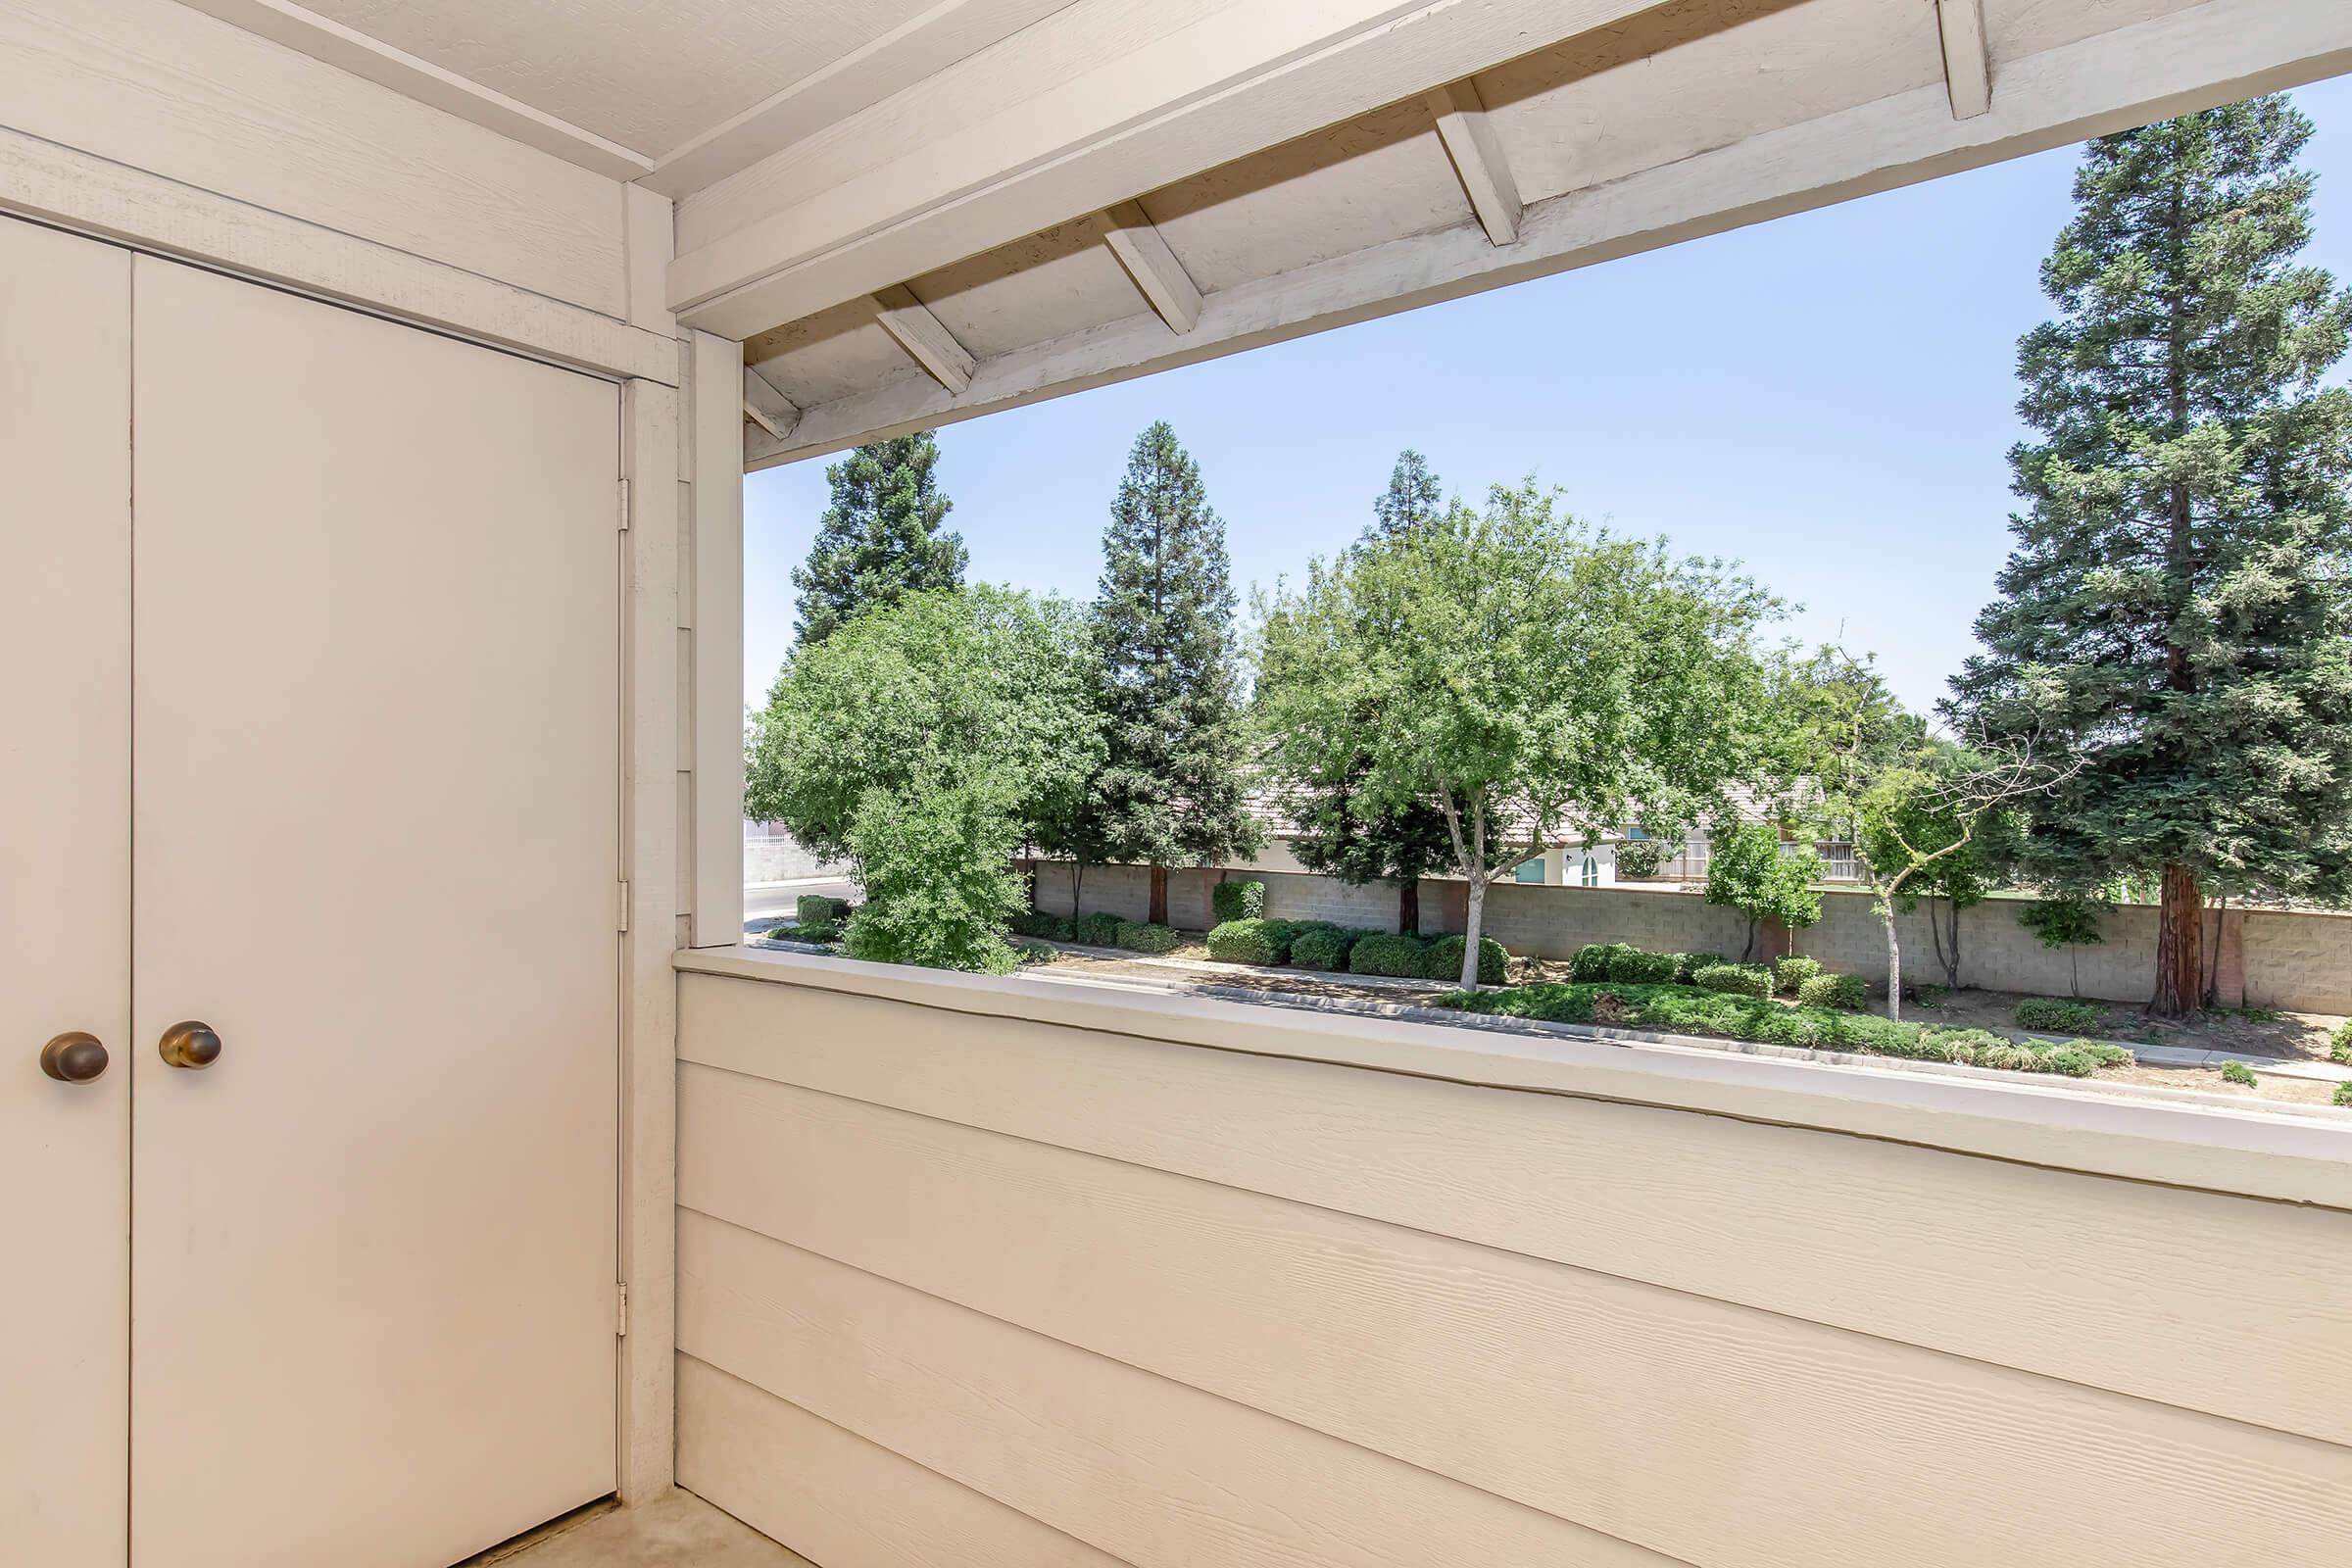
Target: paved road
{"points": [[766, 904]]}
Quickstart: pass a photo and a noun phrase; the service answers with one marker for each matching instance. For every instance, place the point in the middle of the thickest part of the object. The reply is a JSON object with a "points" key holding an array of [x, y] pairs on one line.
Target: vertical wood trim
{"points": [[910, 322], [652, 245], [715, 373], [1477, 159], [1157, 274], [650, 436], [1967, 68]]}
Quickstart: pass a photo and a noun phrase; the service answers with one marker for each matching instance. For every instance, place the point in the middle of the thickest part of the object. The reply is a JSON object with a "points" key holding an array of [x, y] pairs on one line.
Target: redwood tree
{"points": [[2177, 607]]}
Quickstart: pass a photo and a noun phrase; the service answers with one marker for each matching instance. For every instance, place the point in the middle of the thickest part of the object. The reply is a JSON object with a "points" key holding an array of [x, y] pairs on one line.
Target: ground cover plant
{"points": [[2238, 1073], [1847, 992], [1694, 1011], [2052, 1016], [1138, 936]]}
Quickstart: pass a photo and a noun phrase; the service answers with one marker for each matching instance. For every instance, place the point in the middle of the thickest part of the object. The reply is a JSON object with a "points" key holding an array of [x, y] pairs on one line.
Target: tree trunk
{"points": [[1158, 914], [1470, 924], [1947, 932], [1408, 906], [1749, 952], [1895, 961], [1077, 887], [2180, 933], [2213, 975]]}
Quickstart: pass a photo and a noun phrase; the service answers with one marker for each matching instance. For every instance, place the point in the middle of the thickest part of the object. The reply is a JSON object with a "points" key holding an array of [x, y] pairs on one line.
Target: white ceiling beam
{"points": [[1967, 67], [1478, 160], [1103, 99], [1157, 272], [932, 346], [325, 39], [930, 41], [765, 407], [2214, 53]]}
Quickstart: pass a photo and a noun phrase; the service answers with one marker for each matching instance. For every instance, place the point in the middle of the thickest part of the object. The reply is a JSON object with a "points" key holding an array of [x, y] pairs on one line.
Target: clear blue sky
{"points": [[1828, 398]]}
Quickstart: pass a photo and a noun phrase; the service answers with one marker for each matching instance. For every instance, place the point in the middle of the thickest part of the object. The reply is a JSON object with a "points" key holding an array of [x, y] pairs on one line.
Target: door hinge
{"points": [[622, 906], [620, 1314], [625, 505]]}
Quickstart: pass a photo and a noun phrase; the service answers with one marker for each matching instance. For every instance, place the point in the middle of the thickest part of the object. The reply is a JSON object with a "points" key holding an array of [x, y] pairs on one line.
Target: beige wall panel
{"points": [[1943, 1251], [841, 1500], [1677, 81], [376, 812], [161, 87], [2015, 27], [1146, 1469], [1584, 1395], [64, 894]]}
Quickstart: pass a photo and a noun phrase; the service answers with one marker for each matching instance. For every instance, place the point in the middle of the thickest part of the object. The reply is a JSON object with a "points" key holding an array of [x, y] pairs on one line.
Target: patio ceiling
{"points": [[914, 213]]}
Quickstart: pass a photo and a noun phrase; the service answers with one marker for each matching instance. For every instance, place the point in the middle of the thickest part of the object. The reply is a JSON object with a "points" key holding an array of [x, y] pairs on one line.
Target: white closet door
{"points": [[376, 812], [64, 894]]}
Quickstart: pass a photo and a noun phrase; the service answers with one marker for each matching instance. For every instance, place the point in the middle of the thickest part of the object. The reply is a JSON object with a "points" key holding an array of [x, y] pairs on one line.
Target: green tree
{"points": [[1171, 789], [2067, 921], [880, 539], [2176, 612], [925, 741], [1336, 833], [1412, 497], [1531, 676], [1965, 863], [1748, 870]]}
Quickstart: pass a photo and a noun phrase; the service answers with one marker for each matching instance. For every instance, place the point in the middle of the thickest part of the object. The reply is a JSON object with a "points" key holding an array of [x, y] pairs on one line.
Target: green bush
{"points": [[1441, 959], [2343, 1094], [1930, 997], [1240, 941], [1688, 1009], [1238, 900], [1692, 962], [1735, 979], [1850, 992], [1028, 953], [1790, 973], [822, 931], [1325, 947], [2238, 1072], [1638, 968], [1037, 923], [2340, 1044], [1595, 961], [2053, 1016], [1394, 956], [814, 908], [1137, 936], [1097, 930]]}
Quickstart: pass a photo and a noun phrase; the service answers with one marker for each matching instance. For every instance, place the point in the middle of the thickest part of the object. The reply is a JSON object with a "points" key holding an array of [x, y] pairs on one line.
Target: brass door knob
{"points": [[74, 1058], [191, 1045]]}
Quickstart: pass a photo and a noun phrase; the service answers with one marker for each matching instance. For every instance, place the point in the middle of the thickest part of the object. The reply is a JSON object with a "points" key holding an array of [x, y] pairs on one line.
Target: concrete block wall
{"points": [[2302, 961]]}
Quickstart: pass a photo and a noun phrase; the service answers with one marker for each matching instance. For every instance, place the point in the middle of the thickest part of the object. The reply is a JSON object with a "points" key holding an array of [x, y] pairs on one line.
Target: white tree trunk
{"points": [[1894, 962], [1477, 910]]}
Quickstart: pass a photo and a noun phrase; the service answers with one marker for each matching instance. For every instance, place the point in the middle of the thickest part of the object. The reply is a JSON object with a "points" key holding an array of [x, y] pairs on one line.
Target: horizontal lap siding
{"points": [[1720, 1342]]}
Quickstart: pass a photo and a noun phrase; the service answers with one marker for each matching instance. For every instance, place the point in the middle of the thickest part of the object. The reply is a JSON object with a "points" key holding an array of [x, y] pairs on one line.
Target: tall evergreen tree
{"points": [[879, 540], [2178, 607], [1338, 834], [1411, 499], [1171, 789]]}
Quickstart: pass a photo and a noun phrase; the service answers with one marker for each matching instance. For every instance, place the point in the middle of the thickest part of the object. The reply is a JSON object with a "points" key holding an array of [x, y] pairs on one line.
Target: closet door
{"points": [[65, 895], [376, 812]]}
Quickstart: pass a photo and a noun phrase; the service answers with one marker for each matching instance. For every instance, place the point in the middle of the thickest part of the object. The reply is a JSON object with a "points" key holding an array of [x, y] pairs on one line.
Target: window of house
{"points": [[1589, 874], [1531, 871]]}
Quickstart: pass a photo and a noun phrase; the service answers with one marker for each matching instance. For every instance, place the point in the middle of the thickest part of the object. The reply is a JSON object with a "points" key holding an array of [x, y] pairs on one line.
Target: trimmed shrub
{"points": [[1638, 968], [1390, 954], [2053, 1016], [1238, 900], [1137, 936], [1037, 923], [822, 931], [1734, 979], [1441, 959], [1596, 961], [1325, 947], [1790, 973], [2238, 1073], [1240, 941], [1850, 992], [816, 908], [1692, 962], [2340, 1044], [1095, 930]]}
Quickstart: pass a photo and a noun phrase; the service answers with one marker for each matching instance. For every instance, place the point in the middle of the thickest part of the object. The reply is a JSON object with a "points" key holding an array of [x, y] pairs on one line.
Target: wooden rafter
{"points": [[1485, 174], [1967, 70], [1159, 275], [933, 347]]}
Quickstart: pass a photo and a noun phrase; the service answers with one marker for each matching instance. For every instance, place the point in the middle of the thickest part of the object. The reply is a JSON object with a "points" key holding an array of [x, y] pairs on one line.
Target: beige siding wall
{"points": [[972, 1287]]}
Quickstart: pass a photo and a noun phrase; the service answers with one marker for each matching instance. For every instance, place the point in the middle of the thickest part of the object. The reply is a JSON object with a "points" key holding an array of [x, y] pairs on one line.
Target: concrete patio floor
{"points": [[678, 1530]]}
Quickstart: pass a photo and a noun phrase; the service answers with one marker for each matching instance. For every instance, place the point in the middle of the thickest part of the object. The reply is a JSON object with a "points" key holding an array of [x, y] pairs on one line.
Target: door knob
{"points": [[74, 1058], [191, 1045]]}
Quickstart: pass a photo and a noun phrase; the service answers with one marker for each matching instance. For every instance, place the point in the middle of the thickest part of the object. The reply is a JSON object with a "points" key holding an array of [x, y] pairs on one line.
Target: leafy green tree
{"points": [[1171, 789], [1962, 863], [1748, 870], [2176, 612], [1337, 834], [1532, 675], [2067, 921], [880, 539], [925, 741], [1412, 497]]}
